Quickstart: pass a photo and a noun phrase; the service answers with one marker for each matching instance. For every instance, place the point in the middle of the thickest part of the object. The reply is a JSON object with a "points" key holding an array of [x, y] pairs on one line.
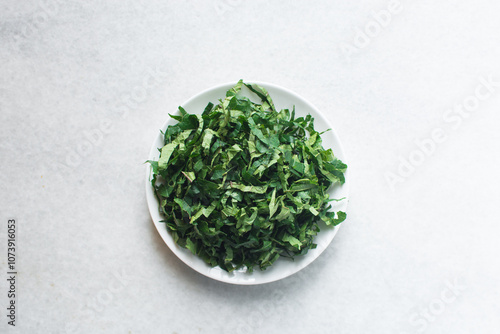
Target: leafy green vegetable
{"points": [[242, 184]]}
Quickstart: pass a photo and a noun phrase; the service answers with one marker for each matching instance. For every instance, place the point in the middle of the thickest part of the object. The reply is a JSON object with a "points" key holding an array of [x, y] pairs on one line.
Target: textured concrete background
{"points": [[412, 88]]}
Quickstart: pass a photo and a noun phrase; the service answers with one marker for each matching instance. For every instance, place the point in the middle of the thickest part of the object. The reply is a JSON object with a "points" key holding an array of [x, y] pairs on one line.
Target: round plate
{"points": [[283, 267]]}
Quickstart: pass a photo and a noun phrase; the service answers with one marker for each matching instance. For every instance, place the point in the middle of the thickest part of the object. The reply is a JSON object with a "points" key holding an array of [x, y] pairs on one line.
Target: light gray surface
{"points": [[84, 87]]}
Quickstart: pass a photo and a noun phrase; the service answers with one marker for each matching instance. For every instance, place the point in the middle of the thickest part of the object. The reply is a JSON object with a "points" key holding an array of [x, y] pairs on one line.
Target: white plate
{"points": [[283, 267]]}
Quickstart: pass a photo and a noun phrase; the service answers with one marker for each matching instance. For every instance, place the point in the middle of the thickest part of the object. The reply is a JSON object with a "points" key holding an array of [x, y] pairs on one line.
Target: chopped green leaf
{"points": [[241, 184]]}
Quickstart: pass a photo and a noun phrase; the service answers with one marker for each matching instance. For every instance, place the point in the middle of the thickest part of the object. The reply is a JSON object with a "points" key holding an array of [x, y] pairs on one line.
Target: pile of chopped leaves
{"points": [[242, 184]]}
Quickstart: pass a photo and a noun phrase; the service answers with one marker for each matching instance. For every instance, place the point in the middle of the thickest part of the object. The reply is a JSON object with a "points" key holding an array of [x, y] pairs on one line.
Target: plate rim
{"points": [[166, 236]]}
